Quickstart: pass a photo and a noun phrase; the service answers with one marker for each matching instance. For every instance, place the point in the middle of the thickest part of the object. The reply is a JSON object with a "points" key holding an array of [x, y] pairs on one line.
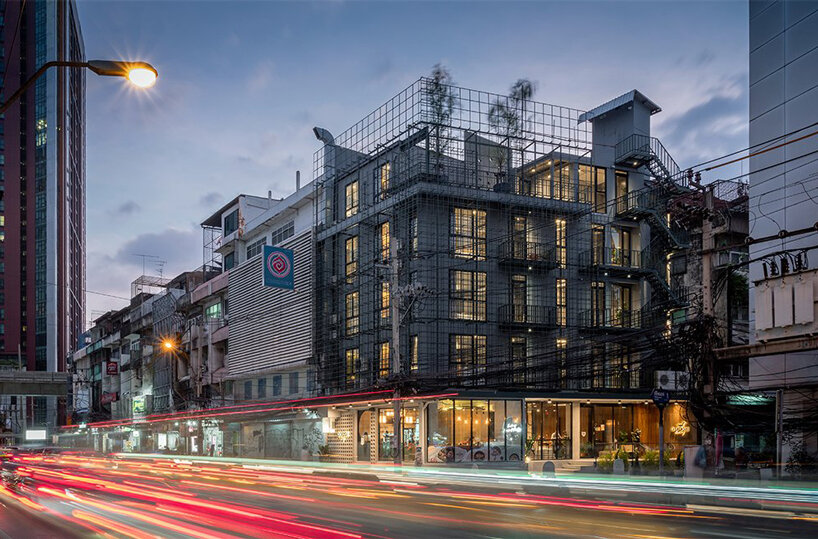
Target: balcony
{"points": [[617, 262], [611, 319], [528, 254], [514, 315]]}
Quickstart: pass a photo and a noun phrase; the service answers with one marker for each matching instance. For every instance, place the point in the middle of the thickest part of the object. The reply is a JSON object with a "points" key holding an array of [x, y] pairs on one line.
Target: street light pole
{"points": [[140, 74]]}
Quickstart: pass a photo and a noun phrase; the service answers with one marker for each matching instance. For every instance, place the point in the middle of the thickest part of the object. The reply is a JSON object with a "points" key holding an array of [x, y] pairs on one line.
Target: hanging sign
{"points": [[278, 267]]}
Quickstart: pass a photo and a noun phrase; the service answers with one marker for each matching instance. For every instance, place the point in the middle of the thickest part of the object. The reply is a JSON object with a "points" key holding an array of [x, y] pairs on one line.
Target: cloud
{"points": [[210, 199], [261, 77], [168, 252], [380, 69], [129, 207], [176, 247], [711, 128]]}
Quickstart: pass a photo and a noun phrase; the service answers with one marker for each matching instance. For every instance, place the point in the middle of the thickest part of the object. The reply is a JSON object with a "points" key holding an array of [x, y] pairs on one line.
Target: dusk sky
{"points": [[241, 84]]}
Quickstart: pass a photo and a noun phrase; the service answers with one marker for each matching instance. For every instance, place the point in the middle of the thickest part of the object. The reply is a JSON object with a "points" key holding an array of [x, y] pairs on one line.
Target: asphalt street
{"points": [[84, 496]]}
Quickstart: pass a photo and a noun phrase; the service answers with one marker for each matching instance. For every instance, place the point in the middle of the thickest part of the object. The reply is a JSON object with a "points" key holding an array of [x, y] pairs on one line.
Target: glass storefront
{"points": [[410, 433], [548, 429], [474, 431], [609, 427]]}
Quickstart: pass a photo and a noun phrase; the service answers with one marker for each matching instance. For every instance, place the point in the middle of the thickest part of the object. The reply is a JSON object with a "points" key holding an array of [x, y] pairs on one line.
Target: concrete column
{"points": [[575, 430]]}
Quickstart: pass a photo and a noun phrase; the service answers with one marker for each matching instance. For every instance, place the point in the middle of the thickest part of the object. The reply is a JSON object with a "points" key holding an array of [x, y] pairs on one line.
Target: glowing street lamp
{"points": [[168, 345], [140, 74]]}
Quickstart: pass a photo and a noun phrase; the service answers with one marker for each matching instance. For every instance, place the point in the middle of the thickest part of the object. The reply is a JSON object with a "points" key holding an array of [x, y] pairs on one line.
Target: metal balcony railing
{"points": [[649, 151], [614, 257], [611, 318], [527, 251], [539, 315]]}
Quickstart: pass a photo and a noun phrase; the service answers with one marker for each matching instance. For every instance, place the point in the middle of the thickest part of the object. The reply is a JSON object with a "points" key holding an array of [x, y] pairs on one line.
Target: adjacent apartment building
{"points": [[783, 105]]}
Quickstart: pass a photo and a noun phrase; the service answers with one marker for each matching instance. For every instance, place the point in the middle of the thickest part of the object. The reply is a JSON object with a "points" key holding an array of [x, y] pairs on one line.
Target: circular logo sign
{"points": [[278, 265]]}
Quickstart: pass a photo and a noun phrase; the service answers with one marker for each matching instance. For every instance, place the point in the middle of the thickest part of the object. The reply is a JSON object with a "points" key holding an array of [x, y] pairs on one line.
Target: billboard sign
{"points": [[108, 398], [112, 368], [138, 406], [277, 267]]}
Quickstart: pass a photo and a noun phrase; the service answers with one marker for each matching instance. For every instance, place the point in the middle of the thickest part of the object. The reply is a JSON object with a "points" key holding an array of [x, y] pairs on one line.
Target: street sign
{"points": [[660, 397], [112, 368], [277, 267]]}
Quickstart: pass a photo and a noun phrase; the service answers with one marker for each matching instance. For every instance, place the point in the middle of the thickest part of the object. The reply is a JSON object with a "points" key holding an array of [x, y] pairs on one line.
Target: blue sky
{"points": [[242, 84]]}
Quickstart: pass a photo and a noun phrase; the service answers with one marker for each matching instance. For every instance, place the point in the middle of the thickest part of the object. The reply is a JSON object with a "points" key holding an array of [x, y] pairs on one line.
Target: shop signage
{"points": [[277, 267], [112, 368], [138, 406], [660, 397], [109, 397]]}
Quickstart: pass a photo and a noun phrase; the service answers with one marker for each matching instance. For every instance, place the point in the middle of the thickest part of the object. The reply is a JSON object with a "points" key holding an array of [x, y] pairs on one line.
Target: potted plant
{"points": [[323, 453], [529, 449]]}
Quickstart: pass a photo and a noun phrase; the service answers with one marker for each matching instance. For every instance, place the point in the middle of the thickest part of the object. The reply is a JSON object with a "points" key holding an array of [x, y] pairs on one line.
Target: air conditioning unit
{"points": [[334, 280], [333, 319], [672, 380]]}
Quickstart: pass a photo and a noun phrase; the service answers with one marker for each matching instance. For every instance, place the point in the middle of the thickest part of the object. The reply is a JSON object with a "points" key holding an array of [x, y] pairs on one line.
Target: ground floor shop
{"points": [[460, 428], [469, 430]]}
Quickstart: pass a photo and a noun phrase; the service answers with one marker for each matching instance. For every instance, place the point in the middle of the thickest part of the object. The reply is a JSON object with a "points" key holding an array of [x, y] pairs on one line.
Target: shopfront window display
{"points": [[474, 431]]}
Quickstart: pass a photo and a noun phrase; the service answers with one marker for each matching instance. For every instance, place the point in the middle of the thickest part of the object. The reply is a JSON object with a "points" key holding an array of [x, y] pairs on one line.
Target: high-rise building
{"points": [[42, 182]]}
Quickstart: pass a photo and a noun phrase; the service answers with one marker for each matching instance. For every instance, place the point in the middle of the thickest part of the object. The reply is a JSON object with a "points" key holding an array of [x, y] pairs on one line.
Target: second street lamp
{"points": [[140, 74]]}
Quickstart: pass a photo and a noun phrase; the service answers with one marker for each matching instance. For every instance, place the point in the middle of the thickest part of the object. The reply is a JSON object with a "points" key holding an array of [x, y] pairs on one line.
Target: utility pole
{"points": [[707, 246], [394, 284]]}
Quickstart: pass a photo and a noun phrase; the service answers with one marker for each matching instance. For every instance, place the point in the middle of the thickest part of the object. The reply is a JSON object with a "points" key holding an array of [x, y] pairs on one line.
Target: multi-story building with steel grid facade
{"points": [[527, 250]]}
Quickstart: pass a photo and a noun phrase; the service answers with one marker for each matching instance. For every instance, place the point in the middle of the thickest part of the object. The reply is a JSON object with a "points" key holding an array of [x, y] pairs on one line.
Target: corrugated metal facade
{"points": [[271, 328]]}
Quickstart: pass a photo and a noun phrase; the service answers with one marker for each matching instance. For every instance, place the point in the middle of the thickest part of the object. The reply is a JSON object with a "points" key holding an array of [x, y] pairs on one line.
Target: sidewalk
{"points": [[782, 498]]}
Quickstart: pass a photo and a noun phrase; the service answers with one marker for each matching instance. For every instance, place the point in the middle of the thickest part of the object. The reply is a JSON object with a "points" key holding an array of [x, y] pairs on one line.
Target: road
{"points": [[85, 496]]}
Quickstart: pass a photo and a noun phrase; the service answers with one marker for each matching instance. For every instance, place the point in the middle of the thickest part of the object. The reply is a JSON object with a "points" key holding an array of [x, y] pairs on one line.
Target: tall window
{"points": [[597, 303], [560, 241], [597, 244], [383, 360], [383, 235], [519, 237], [353, 313], [467, 355], [562, 361], [414, 360], [383, 178], [586, 180], [562, 304], [467, 295], [600, 190], [541, 181], [350, 257], [255, 248], [468, 233], [519, 298], [384, 296], [621, 191], [413, 235], [351, 366], [518, 359], [563, 181], [231, 222], [351, 198]]}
